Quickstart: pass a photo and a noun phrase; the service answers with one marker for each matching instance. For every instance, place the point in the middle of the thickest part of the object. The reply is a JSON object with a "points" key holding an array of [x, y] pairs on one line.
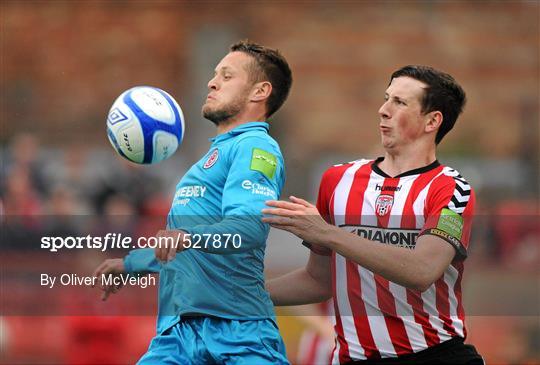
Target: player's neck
{"points": [[239, 119], [398, 162]]}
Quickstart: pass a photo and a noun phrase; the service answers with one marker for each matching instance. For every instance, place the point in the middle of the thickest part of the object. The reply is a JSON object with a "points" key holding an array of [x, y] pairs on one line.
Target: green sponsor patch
{"points": [[264, 162], [451, 223]]}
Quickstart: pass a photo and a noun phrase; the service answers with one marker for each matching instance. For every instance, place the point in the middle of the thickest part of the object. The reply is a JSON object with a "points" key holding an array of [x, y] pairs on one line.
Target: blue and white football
{"points": [[145, 125]]}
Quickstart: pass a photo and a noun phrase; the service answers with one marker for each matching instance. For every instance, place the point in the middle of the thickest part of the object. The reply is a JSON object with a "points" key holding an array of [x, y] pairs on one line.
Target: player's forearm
{"points": [[297, 288], [399, 265]]}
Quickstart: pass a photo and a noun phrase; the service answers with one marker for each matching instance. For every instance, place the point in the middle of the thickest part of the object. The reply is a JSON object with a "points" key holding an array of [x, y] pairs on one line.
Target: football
{"points": [[145, 125]]}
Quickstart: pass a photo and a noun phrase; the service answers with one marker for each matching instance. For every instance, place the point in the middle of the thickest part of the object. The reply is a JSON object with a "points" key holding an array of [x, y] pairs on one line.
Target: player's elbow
{"points": [[423, 279], [323, 287], [326, 294]]}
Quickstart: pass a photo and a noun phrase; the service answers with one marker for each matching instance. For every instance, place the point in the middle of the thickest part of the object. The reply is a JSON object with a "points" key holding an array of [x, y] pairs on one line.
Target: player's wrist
{"points": [[126, 263], [327, 236], [120, 266]]}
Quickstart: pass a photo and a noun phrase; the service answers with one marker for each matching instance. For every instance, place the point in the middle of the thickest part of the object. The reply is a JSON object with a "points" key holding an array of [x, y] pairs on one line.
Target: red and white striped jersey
{"points": [[376, 318]]}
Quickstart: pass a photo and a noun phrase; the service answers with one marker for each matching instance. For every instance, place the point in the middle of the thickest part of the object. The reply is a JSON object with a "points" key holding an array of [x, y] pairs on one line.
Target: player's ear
{"points": [[433, 121], [261, 91]]}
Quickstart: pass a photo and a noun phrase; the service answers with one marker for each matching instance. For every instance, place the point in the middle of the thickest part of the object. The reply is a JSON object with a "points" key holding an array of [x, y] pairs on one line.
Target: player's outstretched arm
{"points": [[310, 284], [415, 269]]}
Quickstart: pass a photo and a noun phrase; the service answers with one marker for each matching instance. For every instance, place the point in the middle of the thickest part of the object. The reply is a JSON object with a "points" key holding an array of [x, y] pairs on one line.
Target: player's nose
{"points": [[383, 110], [212, 84]]}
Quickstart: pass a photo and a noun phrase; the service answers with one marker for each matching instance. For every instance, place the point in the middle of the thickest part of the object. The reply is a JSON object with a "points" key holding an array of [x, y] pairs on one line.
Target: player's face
{"points": [[228, 90], [402, 122]]}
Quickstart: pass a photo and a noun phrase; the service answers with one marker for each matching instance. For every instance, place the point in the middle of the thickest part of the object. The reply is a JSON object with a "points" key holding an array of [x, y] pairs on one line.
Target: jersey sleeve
{"points": [[141, 261], [449, 211], [256, 174]]}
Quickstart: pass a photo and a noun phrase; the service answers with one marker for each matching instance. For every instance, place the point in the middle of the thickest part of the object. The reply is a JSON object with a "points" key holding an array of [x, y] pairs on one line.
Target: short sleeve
{"points": [[449, 211]]}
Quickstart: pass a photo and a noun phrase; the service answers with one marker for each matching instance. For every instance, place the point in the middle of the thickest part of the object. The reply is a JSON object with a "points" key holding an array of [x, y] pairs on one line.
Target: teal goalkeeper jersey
{"points": [[218, 202]]}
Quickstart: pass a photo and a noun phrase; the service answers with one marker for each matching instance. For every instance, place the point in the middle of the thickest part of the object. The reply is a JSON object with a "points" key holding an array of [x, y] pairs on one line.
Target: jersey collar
{"points": [[375, 167], [245, 127]]}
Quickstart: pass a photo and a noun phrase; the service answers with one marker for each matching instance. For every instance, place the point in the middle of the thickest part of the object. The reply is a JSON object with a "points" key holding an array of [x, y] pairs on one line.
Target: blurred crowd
{"points": [[75, 181]]}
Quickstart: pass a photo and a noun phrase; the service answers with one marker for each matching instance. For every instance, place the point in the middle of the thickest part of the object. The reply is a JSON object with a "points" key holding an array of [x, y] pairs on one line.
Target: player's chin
{"points": [[207, 109], [387, 142]]}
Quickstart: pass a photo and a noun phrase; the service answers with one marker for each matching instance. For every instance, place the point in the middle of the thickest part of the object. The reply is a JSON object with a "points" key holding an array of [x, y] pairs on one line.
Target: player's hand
{"points": [[299, 217], [109, 267], [169, 243]]}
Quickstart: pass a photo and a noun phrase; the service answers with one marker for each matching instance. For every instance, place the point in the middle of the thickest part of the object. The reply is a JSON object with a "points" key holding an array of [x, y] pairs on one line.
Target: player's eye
{"points": [[227, 77]]}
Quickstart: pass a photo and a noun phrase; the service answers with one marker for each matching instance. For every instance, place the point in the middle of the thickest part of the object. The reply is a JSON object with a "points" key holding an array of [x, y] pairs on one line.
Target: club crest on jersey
{"points": [[383, 204], [212, 159]]}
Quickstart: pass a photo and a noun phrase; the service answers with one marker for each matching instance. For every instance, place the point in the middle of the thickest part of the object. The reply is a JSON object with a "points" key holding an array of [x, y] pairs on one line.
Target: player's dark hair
{"points": [[442, 93], [271, 66]]}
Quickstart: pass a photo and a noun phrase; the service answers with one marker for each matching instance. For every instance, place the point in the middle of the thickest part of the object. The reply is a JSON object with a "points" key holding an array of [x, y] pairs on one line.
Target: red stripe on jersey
{"points": [[443, 306], [388, 183], [408, 220], [356, 196], [361, 323]]}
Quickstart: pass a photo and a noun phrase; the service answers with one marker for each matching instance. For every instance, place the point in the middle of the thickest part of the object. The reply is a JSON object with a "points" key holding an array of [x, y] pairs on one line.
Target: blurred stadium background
{"points": [[63, 63]]}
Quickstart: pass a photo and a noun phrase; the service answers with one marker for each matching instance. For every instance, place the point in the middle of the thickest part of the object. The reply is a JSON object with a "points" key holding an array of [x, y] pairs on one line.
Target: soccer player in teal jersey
{"points": [[213, 306]]}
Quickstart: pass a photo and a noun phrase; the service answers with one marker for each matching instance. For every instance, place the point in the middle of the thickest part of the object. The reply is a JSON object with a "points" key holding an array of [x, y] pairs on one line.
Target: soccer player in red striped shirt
{"points": [[389, 237]]}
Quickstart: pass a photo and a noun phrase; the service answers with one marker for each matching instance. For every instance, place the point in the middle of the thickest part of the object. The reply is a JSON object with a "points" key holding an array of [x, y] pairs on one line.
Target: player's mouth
{"points": [[384, 129]]}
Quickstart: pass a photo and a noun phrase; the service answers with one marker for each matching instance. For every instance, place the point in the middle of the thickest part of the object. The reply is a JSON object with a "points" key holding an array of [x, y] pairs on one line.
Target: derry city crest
{"points": [[383, 204], [212, 159]]}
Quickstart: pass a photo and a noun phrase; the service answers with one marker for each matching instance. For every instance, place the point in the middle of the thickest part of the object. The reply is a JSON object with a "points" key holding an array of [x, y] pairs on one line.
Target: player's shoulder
{"points": [[336, 171], [257, 139], [452, 178]]}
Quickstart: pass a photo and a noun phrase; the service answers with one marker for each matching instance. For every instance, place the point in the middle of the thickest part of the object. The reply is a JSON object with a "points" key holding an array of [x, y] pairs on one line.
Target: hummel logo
{"points": [[387, 188]]}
